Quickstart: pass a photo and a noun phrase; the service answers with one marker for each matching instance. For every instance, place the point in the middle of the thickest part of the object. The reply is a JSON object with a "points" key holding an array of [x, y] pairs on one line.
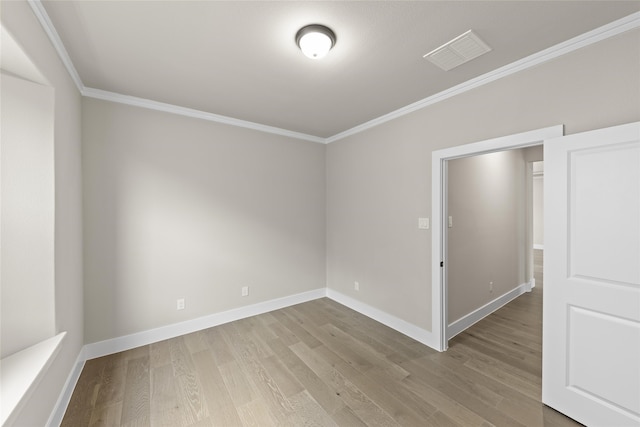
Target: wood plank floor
{"points": [[320, 363]]}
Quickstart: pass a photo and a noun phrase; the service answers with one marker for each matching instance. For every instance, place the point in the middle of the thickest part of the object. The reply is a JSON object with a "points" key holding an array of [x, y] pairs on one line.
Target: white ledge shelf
{"points": [[22, 371]]}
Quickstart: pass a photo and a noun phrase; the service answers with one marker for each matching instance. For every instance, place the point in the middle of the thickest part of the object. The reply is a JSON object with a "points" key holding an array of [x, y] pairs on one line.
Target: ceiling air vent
{"points": [[462, 49]]}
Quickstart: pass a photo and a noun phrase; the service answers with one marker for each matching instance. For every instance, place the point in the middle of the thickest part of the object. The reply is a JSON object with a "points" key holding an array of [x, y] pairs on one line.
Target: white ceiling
{"points": [[239, 58]]}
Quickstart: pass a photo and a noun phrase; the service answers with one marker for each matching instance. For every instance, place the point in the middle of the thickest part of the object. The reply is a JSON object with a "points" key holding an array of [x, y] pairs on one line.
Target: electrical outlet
{"points": [[356, 286], [180, 304], [490, 287], [245, 291]]}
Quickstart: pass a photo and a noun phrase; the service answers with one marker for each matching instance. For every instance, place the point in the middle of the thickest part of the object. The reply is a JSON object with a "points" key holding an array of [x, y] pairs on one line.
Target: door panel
{"points": [[591, 336], [596, 334], [604, 213]]}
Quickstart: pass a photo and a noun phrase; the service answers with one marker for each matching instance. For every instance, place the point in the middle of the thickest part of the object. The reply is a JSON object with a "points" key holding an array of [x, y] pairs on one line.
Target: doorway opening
{"points": [[441, 330], [489, 234]]}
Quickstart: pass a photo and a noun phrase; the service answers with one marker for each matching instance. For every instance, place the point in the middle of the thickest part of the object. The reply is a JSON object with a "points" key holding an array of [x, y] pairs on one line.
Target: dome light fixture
{"points": [[315, 41]]}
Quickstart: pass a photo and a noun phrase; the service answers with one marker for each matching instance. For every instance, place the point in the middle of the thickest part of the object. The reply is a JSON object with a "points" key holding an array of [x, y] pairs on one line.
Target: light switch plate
{"points": [[423, 223]]}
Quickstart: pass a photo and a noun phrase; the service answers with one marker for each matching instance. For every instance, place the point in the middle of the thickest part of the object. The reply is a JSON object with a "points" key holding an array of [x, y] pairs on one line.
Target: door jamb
{"points": [[438, 211]]}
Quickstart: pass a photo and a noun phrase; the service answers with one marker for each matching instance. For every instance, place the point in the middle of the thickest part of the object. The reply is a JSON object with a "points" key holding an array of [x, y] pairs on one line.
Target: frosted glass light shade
{"points": [[315, 41]]}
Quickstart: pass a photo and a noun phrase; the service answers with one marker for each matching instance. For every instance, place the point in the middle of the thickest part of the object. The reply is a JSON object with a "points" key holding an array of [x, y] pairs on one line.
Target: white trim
{"points": [[477, 315], [402, 326], [602, 33], [55, 419], [56, 41], [127, 342], [47, 26], [196, 114], [439, 157], [21, 373], [538, 246], [103, 348], [508, 142]]}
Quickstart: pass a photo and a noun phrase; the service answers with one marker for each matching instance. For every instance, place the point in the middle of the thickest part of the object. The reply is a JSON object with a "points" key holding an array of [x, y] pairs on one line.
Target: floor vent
{"points": [[462, 49]]}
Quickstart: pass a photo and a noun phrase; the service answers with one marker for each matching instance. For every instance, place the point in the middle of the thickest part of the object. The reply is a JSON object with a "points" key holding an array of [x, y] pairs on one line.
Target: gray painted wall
{"points": [[177, 207], [487, 243], [20, 21], [270, 233], [379, 181]]}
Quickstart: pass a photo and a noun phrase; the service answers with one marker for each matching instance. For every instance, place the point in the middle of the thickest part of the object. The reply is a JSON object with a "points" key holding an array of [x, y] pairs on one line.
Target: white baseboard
{"points": [[475, 316], [127, 342], [115, 345], [55, 419], [538, 246], [402, 326]]}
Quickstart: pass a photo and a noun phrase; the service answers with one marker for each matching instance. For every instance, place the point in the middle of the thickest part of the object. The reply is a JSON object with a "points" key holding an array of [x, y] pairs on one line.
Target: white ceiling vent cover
{"points": [[462, 49]]}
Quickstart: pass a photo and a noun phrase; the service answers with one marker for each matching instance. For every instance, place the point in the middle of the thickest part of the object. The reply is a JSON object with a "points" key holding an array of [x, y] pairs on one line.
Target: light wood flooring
{"points": [[320, 363]]}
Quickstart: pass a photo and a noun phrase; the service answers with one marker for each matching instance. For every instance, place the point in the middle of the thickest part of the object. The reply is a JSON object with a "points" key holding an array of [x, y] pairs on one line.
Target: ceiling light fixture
{"points": [[315, 41]]}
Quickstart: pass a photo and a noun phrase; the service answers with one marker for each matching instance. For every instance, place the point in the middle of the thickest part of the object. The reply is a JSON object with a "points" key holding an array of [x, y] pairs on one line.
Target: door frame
{"points": [[438, 213]]}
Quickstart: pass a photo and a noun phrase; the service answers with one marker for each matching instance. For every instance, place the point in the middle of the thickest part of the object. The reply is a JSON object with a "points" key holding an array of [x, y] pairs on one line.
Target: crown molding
{"points": [[602, 33], [47, 26], [614, 28], [42, 16], [197, 114]]}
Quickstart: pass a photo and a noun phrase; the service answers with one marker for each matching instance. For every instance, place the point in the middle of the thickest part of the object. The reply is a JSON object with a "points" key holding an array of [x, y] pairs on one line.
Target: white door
{"points": [[591, 333]]}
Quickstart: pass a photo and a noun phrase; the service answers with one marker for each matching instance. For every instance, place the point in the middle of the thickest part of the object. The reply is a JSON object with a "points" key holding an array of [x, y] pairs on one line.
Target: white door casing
{"points": [[439, 338], [591, 307]]}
